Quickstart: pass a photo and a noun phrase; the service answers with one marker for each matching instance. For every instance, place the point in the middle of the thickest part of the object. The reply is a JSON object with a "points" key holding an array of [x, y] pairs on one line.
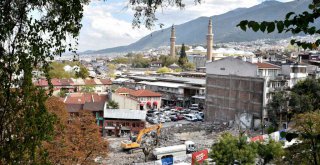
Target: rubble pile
{"points": [[203, 134]]}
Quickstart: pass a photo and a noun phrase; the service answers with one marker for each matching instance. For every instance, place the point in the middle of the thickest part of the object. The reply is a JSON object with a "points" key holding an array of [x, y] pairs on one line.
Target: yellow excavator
{"points": [[134, 143]]}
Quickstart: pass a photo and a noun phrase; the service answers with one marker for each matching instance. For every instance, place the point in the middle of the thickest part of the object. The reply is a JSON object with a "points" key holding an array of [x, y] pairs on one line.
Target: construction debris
{"points": [[202, 133]]}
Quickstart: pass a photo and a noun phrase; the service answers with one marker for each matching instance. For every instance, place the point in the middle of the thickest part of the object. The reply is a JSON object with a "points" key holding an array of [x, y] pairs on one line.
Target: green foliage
{"points": [[138, 61], [57, 70], [83, 73], [28, 42], [189, 66], [111, 70], [121, 60], [308, 92], [183, 60], [229, 149], [164, 70], [276, 106], [270, 151], [178, 70], [294, 23], [87, 89], [112, 104], [167, 60], [62, 93], [307, 129]]}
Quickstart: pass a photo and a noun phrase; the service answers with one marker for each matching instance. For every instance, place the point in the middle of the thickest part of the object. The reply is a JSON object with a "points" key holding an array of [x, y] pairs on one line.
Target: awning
{"points": [[109, 128], [148, 103], [155, 103], [141, 104]]}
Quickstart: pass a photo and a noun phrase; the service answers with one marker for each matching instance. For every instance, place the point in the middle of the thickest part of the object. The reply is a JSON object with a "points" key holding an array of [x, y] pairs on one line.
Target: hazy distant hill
{"points": [[224, 27]]}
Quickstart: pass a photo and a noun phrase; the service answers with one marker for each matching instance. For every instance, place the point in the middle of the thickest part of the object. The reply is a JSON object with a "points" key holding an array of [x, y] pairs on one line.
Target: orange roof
{"points": [[265, 65], [81, 98], [89, 82], [145, 93], [124, 90], [106, 81]]}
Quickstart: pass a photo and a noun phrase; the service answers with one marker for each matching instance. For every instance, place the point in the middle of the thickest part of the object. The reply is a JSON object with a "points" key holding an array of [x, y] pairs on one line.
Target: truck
{"points": [[135, 141], [175, 151]]}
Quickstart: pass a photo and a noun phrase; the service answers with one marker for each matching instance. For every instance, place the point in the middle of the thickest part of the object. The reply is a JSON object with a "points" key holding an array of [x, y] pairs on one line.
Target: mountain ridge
{"points": [[224, 27]]}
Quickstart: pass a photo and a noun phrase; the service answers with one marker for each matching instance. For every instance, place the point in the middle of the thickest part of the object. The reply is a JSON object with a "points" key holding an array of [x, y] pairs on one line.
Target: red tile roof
{"points": [[89, 82], [41, 82], [106, 81], [145, 93], [265, 65], [124, 90]]}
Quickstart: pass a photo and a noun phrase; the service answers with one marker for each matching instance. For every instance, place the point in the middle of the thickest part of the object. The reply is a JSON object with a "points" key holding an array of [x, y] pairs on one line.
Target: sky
{"points": [[107, 24]]}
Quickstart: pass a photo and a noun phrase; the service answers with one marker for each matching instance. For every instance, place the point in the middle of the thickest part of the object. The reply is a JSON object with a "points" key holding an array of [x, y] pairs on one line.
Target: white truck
{"points": [[175, 151]]}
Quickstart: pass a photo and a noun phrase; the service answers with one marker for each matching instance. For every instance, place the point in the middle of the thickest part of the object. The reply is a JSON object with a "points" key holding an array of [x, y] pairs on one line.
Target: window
{"points": [[133, 125]]}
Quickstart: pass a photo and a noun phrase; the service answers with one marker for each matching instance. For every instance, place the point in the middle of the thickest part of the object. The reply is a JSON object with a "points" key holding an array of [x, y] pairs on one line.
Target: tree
{"points": [[121, 60], [111, 70], [189, 66], [76, 138], [87, 89], [164, 70], [138, 61], [113, 104], [270, 151], [85, 139], [83, 73], [183, 60], [28, 42], [59, 149], [294, 23], [276, 107], [230, 149], [167, 60], [307, 129]]}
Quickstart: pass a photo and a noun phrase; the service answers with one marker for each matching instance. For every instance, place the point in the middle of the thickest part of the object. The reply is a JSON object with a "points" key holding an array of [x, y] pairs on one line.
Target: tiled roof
{"points": [[88, 101], [89, 82], [124, 90], [106, 81], [41, 82], [145, 93], [74, 107], [265, 65]]}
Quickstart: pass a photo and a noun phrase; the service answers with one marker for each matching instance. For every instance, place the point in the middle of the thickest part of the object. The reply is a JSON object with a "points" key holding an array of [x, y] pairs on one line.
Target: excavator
{"points": [[135, 142]]}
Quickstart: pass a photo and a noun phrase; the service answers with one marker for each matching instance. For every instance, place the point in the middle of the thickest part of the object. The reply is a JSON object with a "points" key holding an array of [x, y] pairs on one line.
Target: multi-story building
{"points": [[234, 90]]}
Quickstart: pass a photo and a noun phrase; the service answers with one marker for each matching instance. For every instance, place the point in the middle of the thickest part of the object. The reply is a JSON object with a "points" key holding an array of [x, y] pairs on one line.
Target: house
{"points": [[146, 99], [93, 102], [123, 121]]}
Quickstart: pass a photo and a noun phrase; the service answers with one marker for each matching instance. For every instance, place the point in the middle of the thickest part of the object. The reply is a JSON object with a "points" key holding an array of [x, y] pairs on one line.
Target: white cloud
{"points": [[107, 24]]}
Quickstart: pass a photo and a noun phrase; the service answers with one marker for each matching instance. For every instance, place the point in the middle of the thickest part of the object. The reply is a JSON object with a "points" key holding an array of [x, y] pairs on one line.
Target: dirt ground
{"points": [[203, 134]]}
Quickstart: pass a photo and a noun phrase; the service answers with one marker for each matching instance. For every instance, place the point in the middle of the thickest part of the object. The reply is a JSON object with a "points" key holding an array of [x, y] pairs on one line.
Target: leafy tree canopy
{"points": [[28, 42], [164, 70], [293, 22]]}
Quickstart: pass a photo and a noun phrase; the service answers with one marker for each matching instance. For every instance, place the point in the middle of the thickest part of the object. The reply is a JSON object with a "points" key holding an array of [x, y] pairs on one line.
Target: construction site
{"points": [[201, 134]]}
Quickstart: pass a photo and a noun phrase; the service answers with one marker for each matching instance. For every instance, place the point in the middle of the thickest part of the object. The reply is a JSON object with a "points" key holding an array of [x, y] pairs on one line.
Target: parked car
{"points": [[173, 118], [180, 116], [151, 111], [162, 120], [199, 118], [154, 121], [190, 117], [167, 118], [194, 106]]}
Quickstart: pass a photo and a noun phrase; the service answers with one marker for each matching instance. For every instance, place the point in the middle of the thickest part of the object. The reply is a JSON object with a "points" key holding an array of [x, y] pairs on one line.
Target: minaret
{"points": [[172, 42], [209, 41]]}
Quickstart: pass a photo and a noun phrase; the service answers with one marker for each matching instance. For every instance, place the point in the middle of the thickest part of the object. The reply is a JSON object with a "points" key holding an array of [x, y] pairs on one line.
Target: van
{"points": [[194, 106], [190, 117]]}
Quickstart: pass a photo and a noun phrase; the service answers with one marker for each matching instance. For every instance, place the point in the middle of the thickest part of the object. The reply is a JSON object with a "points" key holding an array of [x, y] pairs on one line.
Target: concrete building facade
{"points": [[233, 89]]}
